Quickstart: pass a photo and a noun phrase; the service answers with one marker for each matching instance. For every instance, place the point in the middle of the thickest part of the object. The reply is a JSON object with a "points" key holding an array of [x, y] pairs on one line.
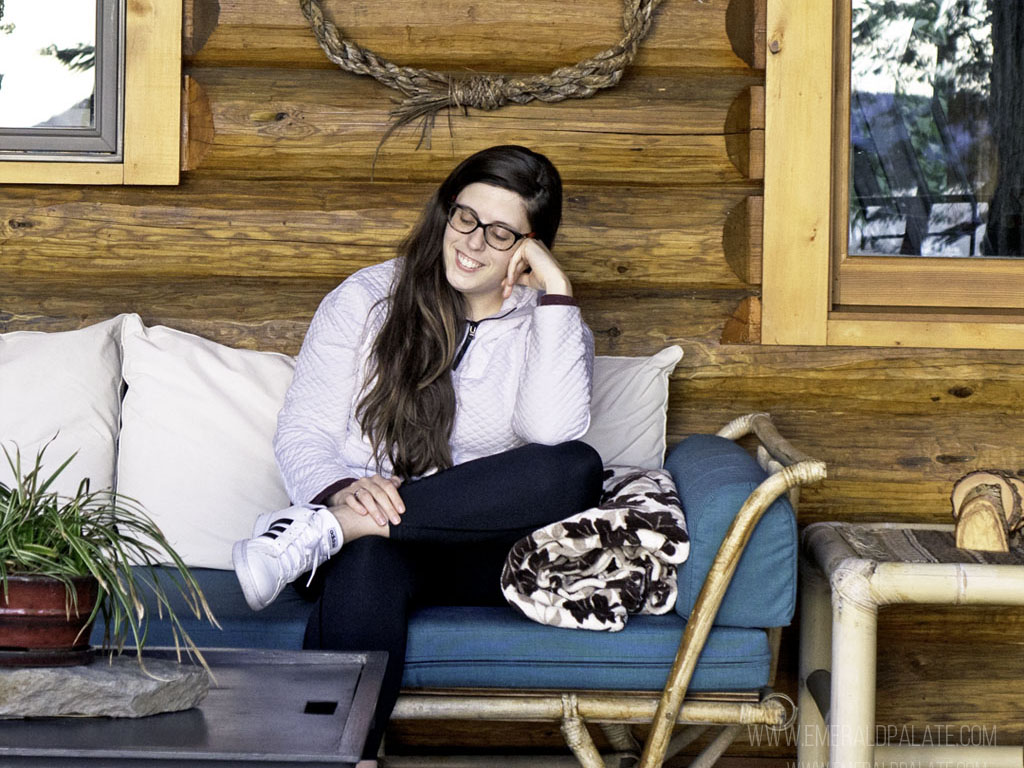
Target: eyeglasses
{"points": [[498, 236]]}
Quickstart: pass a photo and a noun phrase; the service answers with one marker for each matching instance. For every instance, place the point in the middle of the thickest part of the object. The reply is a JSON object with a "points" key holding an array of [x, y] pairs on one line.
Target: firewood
{"points": [[987, 508]]}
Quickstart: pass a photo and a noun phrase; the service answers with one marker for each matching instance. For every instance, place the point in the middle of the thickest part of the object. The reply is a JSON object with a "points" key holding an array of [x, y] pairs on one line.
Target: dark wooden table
{"points": [[285, 708]]}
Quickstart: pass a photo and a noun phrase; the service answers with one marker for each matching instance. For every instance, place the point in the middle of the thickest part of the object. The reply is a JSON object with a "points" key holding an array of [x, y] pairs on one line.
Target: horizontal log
{"points": [[959, 397], [319, 125], [273, 314], [615, 238], [530, 37], [959, 366]]}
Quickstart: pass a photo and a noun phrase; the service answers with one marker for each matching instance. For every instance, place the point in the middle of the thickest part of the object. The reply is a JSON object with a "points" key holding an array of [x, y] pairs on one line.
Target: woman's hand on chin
{"points": [[533, 265], [374, 496]]}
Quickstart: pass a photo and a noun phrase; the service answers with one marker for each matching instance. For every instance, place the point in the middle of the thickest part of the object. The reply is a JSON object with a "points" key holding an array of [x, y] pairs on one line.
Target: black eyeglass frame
{"points": [[485, 227]]}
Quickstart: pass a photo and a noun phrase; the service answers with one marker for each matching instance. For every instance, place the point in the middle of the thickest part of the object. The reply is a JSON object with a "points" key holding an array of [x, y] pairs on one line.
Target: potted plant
{"points": [[64, 560]]}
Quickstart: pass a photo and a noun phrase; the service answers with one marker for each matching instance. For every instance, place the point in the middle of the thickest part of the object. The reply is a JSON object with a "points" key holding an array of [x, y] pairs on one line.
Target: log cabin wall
{"points": [[661, 238]]}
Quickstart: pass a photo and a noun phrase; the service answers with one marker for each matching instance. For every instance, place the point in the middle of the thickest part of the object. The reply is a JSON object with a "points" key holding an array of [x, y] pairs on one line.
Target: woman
{"points": [[433, 418]]}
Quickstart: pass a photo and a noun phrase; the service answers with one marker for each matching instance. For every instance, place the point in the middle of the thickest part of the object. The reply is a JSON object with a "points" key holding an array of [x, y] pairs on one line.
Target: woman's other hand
{"points": [[375, 496], [533, 265]]}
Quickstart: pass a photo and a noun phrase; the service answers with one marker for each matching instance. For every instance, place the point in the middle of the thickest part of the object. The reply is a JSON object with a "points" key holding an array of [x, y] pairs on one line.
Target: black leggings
{"points": [[449, 549]]}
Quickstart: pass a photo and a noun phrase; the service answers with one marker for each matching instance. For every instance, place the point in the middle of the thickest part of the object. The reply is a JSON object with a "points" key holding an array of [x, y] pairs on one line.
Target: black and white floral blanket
{"points": [[595, 568]]}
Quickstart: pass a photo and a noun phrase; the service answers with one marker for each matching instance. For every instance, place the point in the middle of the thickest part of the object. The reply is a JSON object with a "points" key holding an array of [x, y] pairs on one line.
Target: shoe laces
{"points": [[303, 547]]}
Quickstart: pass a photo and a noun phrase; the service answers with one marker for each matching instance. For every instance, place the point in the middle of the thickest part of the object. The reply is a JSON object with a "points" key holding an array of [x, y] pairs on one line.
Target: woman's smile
{"points": [[466, 263]]}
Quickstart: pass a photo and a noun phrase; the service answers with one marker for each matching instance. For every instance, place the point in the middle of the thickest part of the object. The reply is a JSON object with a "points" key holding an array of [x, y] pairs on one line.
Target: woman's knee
{"points": [[573, 467], [362, 558]]}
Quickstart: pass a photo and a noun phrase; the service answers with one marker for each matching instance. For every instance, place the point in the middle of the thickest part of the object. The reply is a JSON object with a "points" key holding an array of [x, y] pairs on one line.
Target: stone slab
{"points": [[109, 687]]}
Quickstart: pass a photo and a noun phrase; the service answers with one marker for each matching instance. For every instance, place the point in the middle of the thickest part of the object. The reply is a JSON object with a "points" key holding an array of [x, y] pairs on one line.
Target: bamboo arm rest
{"points": [[710, 598], [761, 426]]}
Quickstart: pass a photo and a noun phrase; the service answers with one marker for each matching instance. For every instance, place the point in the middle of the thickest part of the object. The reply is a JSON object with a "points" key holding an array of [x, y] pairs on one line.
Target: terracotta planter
{"points": [[36, 626]]}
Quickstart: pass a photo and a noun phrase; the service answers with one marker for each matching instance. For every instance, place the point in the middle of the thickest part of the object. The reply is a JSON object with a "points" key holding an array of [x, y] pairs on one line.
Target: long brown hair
{"points": [[408, 410]]}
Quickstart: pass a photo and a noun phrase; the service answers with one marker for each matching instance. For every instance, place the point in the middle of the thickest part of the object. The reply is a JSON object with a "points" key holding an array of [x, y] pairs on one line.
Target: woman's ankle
{"points": [[355, 526]]}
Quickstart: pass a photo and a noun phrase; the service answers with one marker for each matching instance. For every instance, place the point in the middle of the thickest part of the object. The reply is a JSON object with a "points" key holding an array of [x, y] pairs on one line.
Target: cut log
{"points": [[987, 507], [1008, 497], [979, 523]]}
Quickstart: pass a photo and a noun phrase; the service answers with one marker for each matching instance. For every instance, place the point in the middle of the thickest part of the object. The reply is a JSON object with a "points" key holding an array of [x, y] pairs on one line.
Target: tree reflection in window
{"points": [[937, 128]]}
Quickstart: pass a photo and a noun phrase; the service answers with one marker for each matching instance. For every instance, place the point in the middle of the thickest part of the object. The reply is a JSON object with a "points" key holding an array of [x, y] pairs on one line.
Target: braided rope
{"points": [[427, 92]]}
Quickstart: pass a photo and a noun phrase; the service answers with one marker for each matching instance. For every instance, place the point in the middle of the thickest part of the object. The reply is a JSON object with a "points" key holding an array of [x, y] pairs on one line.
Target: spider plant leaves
{"points": [[100, 534]]}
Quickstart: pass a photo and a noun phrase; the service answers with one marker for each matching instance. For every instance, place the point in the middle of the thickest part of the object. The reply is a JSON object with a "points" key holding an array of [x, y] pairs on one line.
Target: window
{"points": [[814, 290], [60, 69], [125, 127]]}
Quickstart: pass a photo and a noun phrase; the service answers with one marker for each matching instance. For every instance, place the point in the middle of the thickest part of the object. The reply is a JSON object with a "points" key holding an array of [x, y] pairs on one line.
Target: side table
{"points": [[847, 571]]}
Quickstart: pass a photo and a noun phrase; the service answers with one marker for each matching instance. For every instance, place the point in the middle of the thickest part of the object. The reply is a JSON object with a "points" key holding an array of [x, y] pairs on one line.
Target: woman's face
{"points": [[474, 268]]}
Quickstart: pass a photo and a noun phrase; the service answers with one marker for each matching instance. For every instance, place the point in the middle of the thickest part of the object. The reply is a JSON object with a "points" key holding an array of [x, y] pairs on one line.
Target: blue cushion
{"points": [[457, 646], [280, 625], [714, 477], [493, 647]]}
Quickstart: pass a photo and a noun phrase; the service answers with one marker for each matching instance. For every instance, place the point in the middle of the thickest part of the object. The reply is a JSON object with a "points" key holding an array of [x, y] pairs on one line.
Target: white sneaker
{"points": [[285, 545]]}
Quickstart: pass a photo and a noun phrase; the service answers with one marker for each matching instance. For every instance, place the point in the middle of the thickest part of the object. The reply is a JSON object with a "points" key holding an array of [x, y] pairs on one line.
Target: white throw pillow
{"points": [[629, 408], [197, 424], [66, 384]]}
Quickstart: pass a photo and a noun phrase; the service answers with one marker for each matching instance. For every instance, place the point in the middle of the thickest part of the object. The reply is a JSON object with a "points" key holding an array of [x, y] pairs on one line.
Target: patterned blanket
{"points": [[595, 568]]}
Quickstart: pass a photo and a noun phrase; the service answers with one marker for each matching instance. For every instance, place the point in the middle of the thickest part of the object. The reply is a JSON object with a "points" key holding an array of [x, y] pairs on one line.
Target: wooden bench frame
{"points": [[616, 711]]}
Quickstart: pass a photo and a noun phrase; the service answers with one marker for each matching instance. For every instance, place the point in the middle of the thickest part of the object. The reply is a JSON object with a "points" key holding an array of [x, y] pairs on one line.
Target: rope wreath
{"points": [[427, 92]]}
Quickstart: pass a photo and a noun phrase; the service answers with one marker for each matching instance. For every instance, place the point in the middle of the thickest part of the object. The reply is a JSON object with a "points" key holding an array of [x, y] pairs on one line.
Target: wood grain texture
{"points": [[798, 132], [510, 37], [274, 313], [196, 125], [745, 22], [916, 282], [744, 132], [152, 92], [276, 124], [200, 18], [741, 239], [744, 325], [616, 238]]}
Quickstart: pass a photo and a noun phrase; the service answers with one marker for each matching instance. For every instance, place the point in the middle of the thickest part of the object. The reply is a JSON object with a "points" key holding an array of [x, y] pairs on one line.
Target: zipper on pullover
{"points": [[470, 333]]}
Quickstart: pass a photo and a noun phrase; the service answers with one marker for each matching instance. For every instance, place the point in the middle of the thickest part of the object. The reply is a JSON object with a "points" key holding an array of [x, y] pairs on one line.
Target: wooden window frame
{"points": [[152, 109], [805, 218]]}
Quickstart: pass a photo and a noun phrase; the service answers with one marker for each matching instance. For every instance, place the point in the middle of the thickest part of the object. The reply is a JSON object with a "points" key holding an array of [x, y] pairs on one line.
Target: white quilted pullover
{"points": [[525, 377]]}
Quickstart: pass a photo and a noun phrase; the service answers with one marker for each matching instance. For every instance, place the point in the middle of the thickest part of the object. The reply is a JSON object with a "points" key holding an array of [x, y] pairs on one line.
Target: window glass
{"points": [[48, 64], [936, 128], [60, 74]]}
